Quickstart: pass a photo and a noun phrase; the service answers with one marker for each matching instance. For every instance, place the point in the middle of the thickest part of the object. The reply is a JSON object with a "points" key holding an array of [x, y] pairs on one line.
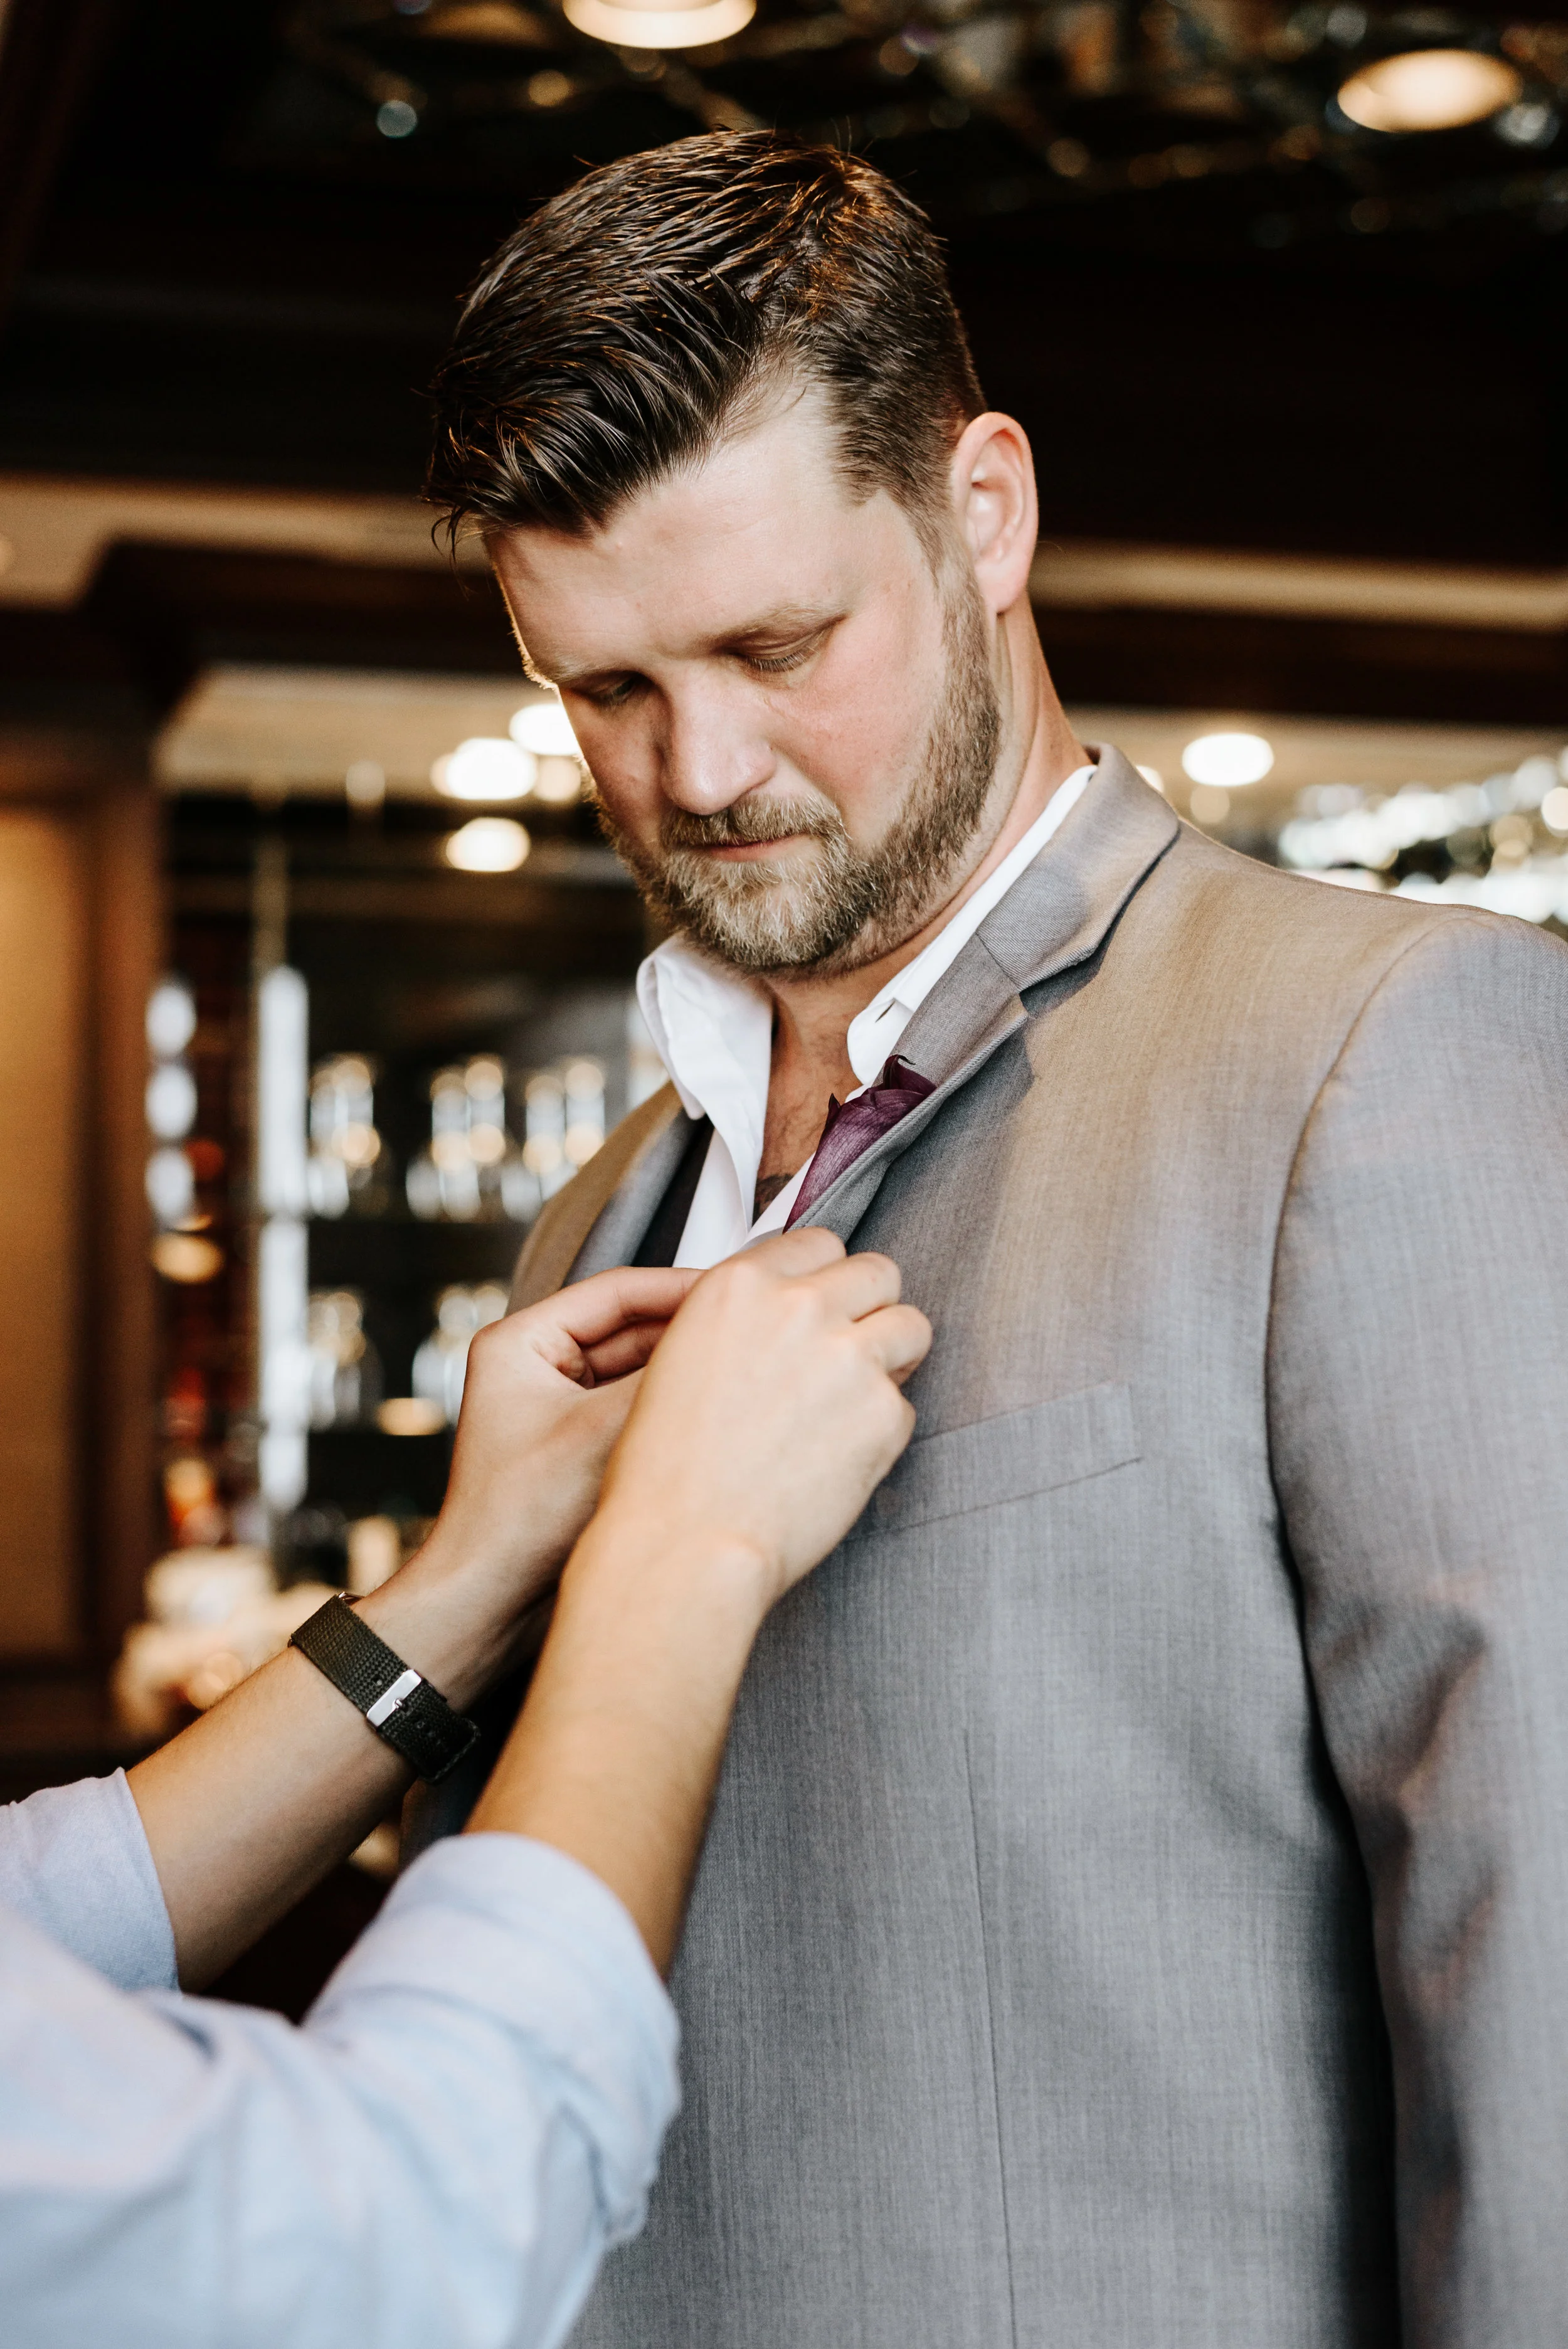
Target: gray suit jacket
{"points": [[1135, 1914]]}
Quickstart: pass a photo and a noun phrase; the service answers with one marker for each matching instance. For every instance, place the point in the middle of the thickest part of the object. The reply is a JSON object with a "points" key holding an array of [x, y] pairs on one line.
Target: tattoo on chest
{"points": [[768, 1189]]}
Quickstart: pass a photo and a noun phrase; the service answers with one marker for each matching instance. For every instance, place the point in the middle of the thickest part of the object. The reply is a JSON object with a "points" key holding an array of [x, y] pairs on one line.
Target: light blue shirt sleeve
{"points": [[74, 1859], [468, 2119]]}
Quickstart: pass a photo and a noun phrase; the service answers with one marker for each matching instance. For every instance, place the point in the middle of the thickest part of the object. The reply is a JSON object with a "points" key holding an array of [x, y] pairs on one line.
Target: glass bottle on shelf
{"points": [[564, 1111], [441, 1362], [473, 1171], [345, 1367], [349, 1163]]}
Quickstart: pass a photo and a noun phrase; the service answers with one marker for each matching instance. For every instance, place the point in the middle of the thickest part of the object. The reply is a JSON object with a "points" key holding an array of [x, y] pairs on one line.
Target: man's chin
{"points": [[761, 934]]}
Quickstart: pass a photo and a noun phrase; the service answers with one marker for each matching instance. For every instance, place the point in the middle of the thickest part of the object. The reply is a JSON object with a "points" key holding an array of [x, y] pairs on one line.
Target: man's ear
{"points": [[996, 505]]}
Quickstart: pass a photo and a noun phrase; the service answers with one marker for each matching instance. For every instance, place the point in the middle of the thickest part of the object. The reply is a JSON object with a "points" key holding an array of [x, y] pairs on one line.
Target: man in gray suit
{"points": [[1135, 1909]]}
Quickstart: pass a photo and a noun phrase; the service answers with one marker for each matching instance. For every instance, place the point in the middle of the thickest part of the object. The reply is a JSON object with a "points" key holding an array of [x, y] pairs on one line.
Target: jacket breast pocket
{"points": [[1008, 1458]]}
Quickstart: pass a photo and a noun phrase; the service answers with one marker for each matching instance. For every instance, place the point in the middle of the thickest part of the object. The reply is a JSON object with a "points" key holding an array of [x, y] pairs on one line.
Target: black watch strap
{"points": [[400, 1706]]}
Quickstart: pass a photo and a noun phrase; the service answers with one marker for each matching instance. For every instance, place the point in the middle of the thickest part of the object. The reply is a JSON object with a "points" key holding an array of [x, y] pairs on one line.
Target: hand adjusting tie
{"points": [[400, 1705]]}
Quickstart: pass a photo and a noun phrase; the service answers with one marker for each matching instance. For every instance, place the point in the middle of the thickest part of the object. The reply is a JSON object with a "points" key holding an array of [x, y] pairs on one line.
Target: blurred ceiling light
{"points": [[182, 1256], [1430, 89], [397, 119], [410, 1415], [491, 843], [486, 767], [543, 728], [635, 25], [1227, 760], [1554, 809], [171, 1018], [1209, 805]]}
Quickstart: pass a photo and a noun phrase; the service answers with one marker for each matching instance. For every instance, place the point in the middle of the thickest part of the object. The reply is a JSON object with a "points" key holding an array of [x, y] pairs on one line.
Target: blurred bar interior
{"points": [[315, 975]]}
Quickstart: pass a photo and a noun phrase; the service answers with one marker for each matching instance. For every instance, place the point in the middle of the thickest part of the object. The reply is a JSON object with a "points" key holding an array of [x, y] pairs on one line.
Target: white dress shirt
{"points": [[441, 2154], [713, 1030]]}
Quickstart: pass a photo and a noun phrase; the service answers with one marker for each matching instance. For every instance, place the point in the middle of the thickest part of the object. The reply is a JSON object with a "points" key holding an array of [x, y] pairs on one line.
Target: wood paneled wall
{"points": [[79, 939], [44, 1081]]}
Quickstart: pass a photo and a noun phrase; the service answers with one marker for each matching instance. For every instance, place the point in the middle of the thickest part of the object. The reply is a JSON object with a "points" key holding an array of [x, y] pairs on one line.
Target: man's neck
{"points": [[812, 1016]]}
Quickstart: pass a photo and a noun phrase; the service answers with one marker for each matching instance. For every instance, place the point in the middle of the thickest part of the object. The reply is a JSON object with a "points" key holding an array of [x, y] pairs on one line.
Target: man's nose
{"points": [[713, 753]]}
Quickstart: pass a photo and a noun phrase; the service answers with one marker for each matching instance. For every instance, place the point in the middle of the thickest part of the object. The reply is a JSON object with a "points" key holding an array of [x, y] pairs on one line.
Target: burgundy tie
{"points": [[852, 1126]]}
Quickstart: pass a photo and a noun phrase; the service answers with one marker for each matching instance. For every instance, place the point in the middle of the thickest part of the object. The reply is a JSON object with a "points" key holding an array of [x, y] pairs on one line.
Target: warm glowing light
{"points": [[491, 843], [634, 27], [1209, 805], [543, 728], [1430, 89], [410, 1415], [1227, 760], [182, 1256], [356, 1144], [486, 767], [486, 1145], [1554, 809]]}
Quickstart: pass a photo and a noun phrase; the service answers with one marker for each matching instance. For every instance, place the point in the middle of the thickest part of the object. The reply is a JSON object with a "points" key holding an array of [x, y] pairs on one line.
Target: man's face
{"points": [[791, 725]]}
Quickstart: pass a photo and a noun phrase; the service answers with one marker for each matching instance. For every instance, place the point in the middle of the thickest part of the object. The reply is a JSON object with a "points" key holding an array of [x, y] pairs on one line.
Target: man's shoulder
{"points": [[1297, 927]]}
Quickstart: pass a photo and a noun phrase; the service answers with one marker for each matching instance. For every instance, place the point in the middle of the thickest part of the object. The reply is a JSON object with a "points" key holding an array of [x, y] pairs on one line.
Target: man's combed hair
{"points": [[632, 319]]}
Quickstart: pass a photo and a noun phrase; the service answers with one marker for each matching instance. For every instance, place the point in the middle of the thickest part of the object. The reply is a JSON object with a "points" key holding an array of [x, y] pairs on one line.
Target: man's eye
{"points": [[775, 664], [611, 696]]}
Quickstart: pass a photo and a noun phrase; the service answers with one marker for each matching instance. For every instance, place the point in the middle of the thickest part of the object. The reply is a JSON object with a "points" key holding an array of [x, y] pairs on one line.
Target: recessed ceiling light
{"points": [[1430, 89], [634, 27], [1227, 760], [486, 767], [491, 843]]}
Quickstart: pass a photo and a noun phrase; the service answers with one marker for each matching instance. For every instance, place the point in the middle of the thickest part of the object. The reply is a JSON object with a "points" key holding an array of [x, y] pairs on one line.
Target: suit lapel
{"points": [[1054, 915], [600, 1215]]}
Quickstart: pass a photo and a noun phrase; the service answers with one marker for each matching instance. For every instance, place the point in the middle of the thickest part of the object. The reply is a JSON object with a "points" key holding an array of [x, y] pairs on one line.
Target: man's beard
{"points": [[851, 904]]}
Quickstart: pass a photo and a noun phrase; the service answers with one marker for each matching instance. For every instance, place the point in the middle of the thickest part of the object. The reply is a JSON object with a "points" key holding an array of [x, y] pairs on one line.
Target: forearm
{"points": [[467, 2120], [616, 1753], [262, 1797]]}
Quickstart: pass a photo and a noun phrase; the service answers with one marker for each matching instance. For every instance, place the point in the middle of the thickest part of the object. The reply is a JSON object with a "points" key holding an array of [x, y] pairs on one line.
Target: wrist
{"points": [[717, 1578], [448, 1619]]}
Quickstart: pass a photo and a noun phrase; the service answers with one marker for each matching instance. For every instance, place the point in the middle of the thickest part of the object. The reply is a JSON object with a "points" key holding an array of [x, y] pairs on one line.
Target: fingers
{"points": [[624, 1351], [593, 1310], [897, 1337], [858, 1285], [797, 1252]]}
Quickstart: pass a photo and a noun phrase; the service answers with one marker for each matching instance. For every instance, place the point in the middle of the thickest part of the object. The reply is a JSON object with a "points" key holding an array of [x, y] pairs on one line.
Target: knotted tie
{"points": [[851, 1127]]}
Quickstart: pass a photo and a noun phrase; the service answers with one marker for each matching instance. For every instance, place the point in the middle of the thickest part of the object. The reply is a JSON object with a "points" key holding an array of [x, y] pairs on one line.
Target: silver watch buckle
{"points": [[401, 1689]]}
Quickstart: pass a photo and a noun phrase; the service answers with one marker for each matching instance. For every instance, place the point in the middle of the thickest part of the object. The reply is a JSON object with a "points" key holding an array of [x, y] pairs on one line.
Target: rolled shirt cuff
{"points": [[517, 1929], [75, 1860]]}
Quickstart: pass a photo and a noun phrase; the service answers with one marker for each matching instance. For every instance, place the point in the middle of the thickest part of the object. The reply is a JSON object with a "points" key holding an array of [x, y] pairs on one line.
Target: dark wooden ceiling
{"points": [[214, 266]]}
